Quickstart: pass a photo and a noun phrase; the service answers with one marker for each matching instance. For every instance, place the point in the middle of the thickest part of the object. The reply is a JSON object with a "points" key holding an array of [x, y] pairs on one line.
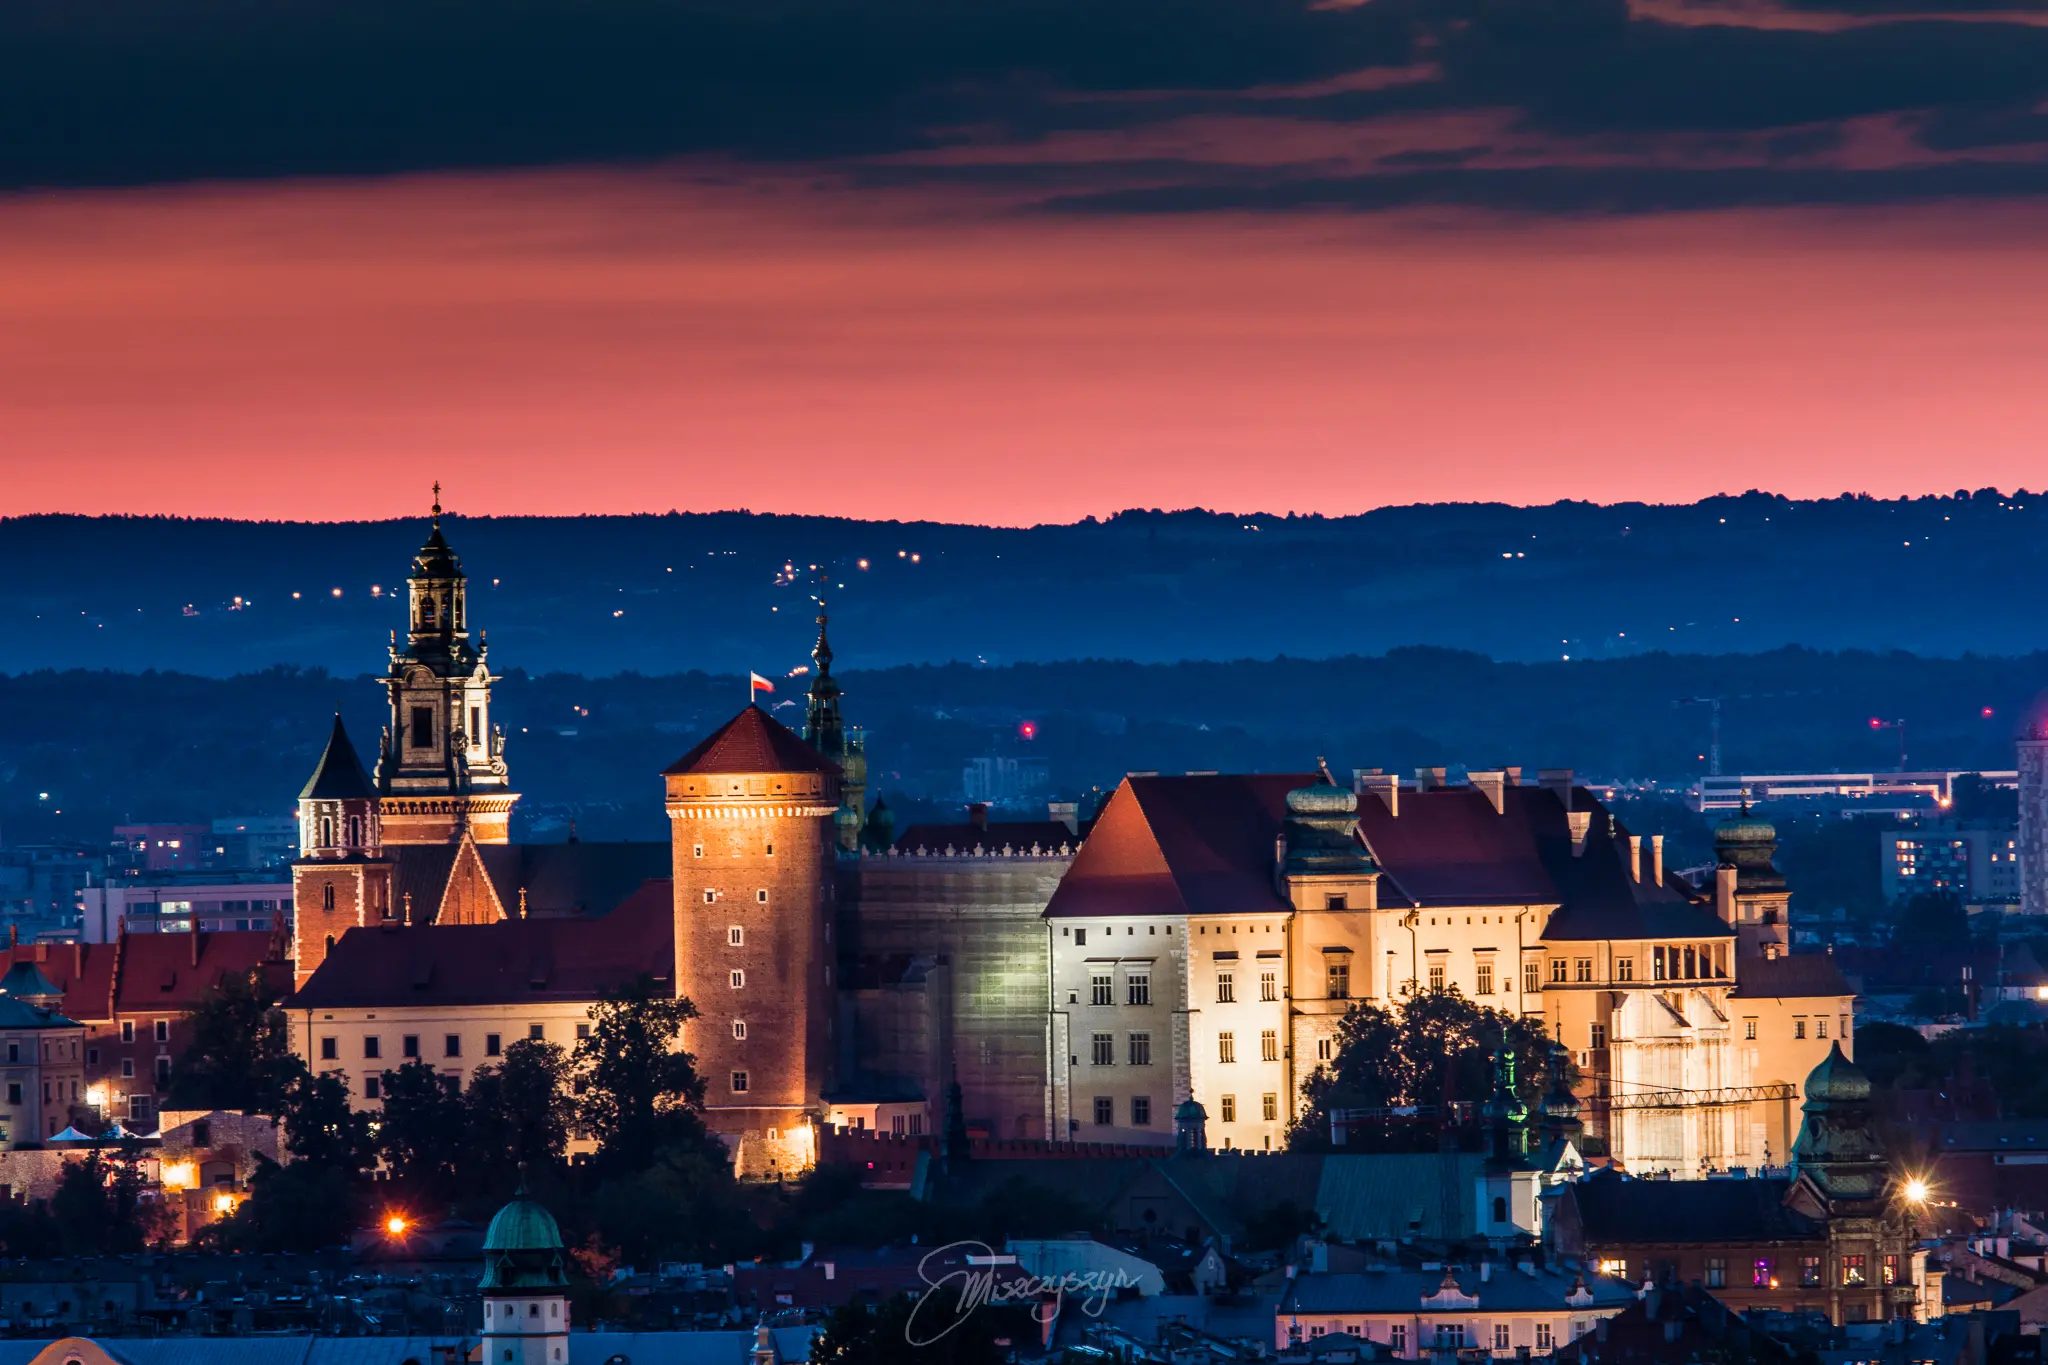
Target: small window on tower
{"points": [[739, 1030], [476, 724], [761, 896], [709, 895], [735, 936], [327, 902], [422, 729]]}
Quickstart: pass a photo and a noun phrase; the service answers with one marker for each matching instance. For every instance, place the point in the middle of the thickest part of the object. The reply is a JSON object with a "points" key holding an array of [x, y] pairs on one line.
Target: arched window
{"points": [[1500, 1209], [426, 611], [330, 943], [355, 831], [326, 831], [533, 1310], [327, 896]]}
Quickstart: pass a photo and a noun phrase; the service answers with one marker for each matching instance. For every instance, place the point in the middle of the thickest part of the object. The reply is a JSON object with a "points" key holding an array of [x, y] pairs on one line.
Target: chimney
{"points": [[1385, 786], [1557, 780], [1656, 860], [1580, 822], [1493, 785], [1724, 894], [1429, 779], [1635, 856], [1066, 813], [977, 814]]}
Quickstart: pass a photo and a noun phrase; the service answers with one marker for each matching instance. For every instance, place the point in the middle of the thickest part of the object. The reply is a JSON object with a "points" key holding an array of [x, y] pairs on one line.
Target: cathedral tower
{"points": [[827, 732], [441, 772], [341, 878], [751, 820]]}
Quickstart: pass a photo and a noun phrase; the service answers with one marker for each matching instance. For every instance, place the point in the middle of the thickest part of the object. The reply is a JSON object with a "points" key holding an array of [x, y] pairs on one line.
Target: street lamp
{"points": [[395, 1225]]}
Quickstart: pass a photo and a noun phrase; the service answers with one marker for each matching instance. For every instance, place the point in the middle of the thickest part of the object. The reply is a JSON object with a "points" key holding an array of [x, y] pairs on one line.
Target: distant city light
{"points": [[295, 597], [337, 592], [863, 563], [1029, 730], [1986, 713], [915, 558]]}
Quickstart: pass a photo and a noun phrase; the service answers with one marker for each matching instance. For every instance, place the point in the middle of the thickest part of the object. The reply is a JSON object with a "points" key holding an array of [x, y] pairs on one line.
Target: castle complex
{"points": [[1200, 941]]}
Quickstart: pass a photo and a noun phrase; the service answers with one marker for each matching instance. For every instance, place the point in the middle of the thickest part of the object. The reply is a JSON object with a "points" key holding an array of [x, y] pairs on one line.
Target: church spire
{"points": [[825, 728]]}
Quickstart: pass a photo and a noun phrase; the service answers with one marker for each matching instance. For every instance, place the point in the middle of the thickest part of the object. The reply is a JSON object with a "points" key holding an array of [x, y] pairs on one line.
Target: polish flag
{"points": [[759, 683]]}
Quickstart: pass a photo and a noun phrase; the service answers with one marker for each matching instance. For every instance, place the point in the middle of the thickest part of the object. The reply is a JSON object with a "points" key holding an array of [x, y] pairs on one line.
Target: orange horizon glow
{"points": [[628, 342]]}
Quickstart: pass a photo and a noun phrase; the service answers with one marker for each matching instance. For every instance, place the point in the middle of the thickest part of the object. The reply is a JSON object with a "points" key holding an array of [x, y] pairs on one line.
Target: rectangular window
{"points": [[1532, 977], [1483, 979], [738, 978], [1269, 1106], [409, 1046], [163, 1072], [710, 896], [1226, 988], [373, 1046], [330, 1049], [696, 850], [1105, 1110], [1101, 989], [92, 1056], [1228, 1108], [1141, 1110], [1226, 1047], [1624, 969], [1557, 971], [739, 1030], [421, 733], [1080, 938], [1749, 1030], [1583, 969], [1397, 1337], [1760, 1276], [1658, 967], [1269, 986], [1853, 1270], [1141, 1049], [1326, 1048], [739, 1082], [128, 1063], [1717, 1272], [1597, 1036], [127, 1030], [735, 937], [476, 725], [1820, 1028], [1269, 1045], [1436, 977], [761, 896], [14, 1092], [1102, 1049], [494, 1046], [373, 1087], [1544, 1340], [582, 1032], [1138, 988], [1891, 1268], [1798, 1028], [1809, 1270], [451, 1045], [1500, 1337], [1339, 974], [537, 1033]]}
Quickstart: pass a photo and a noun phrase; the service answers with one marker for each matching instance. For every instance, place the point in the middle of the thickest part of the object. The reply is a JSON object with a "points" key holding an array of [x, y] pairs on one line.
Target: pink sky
{"points": [[632, 342]]}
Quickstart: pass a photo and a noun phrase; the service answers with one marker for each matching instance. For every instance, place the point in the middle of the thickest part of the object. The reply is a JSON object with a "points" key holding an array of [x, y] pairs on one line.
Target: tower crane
{"points": [[1713, 705]]}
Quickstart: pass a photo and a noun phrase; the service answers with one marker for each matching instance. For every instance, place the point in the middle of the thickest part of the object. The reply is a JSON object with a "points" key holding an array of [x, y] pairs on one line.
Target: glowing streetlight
{"points": [[395, 1225], [1916, 1191]]}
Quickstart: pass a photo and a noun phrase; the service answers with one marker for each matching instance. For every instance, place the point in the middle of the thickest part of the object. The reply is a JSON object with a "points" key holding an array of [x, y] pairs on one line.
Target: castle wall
{"points": [[980, 917]]}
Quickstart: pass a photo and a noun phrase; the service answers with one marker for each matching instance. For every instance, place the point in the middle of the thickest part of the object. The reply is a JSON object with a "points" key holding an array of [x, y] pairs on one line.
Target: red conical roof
{"points": [[752, 742]]}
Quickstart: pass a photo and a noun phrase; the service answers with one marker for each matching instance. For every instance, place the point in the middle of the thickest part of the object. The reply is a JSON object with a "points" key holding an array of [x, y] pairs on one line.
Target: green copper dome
{"points": [[1745, 829], [1837, 1080], [523, 1225], [1321, 798]]}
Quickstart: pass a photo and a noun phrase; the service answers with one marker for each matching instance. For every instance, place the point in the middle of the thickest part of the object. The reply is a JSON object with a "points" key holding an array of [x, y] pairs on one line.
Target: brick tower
{"points": [[751, 820], [341, 878], [441, 772]]}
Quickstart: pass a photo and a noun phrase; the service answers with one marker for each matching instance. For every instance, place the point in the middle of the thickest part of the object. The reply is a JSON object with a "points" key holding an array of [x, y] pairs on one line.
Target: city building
{"points": [[177, 902], [1495, 1309], [1835, 1234], [526, 1288], [42, 1077], [1978, 863], [164, 847]]}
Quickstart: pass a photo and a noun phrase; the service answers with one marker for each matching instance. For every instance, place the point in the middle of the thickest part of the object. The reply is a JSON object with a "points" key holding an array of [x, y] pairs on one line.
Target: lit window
{"points": [[1339, 974]]}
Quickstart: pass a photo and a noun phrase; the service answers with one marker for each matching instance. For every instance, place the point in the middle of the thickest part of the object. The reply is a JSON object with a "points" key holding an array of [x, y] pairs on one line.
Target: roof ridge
{"points": [[1152, 834]]}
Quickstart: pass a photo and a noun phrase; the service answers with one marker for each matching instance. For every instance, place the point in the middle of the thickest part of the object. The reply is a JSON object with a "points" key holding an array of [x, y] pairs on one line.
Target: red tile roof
{"points": [[503, 963], [145, 973], [1205, 845], [752, 742]]}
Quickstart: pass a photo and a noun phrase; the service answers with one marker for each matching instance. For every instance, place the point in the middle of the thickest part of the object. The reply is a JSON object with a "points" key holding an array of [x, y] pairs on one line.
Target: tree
{"points": [[321, 1127], [422, 1136], [98, 1206], [641, 1091], [1436, 1049], [518, 1113], [240, 1056], [299, 1206]]}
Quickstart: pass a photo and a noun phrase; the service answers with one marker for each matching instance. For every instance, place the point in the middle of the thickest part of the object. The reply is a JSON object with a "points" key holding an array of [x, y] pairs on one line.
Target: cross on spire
{"points": [[437, 504]]}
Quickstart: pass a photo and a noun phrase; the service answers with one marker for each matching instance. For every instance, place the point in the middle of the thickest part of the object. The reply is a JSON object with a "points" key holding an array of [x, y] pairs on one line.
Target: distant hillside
{"points": [[729, 591], [109, 745]]}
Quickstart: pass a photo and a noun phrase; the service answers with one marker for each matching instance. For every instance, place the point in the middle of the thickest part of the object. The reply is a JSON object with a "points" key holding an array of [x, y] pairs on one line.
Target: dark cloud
{"points": [[139, 91]]}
